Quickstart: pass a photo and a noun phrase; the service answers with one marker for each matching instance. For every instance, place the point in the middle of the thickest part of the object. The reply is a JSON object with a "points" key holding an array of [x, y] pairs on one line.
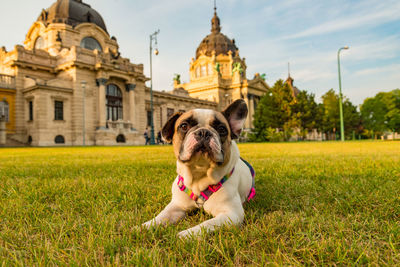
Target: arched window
{"points": [[114, 102], [91, 44], [203, 70], [39, 43], [121, 138], [59, 139], [4, 110]]}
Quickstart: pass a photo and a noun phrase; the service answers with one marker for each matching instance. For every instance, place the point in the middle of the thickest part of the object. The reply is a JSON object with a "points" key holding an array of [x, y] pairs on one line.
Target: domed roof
{"points": [[216, 41], [71, 12]]}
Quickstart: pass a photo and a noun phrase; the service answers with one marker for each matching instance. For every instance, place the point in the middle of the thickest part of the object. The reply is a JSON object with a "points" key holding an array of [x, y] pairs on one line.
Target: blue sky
{"points": [[268, 33]]}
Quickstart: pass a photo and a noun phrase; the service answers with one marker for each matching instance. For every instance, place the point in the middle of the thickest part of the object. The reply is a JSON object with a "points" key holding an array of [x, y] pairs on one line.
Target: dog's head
{"points": [[205, 133]]}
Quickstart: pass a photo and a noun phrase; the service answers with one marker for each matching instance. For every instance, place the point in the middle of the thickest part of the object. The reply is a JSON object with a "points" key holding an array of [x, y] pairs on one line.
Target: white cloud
{"points": [[386, 70], [385, 48], [376, 16]]}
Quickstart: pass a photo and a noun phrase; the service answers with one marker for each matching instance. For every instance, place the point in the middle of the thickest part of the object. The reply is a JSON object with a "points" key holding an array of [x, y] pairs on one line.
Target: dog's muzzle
{"points": [[202, 141], [202, 137]]}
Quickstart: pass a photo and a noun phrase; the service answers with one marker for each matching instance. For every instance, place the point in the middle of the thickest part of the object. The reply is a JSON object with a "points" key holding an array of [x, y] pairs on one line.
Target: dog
{"points": [[211, 174]]}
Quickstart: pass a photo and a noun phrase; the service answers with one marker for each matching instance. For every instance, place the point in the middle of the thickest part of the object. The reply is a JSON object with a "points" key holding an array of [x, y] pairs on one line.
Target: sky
{"points": [[268, 33]]}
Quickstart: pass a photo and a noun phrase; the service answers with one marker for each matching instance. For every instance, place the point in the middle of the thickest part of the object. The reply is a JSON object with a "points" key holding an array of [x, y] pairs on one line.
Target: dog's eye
{"points": [[184, 126], [222, 130]]}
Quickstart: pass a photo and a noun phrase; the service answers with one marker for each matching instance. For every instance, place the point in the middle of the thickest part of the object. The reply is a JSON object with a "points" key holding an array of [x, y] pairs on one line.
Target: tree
{"points": [[330, 115], [373, 112], [274, 111], [381, 113], [393, 115], [329, 112], [352, 119], [305, 109]]}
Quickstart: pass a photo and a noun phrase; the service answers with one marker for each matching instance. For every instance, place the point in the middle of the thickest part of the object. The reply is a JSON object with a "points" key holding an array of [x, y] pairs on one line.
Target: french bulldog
{"points": [[211, 174]]}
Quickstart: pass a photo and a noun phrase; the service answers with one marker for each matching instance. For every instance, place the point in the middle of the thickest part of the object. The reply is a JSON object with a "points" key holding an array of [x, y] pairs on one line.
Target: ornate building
{"points": [[218, 73], [69, 85]]}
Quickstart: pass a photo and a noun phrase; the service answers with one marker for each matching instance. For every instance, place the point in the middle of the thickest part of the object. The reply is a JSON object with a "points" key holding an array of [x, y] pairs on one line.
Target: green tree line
{"points": [[280, 115]]}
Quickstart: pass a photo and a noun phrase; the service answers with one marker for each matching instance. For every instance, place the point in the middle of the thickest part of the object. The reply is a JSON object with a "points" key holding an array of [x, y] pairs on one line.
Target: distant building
{"points": [[295, 90], [69, 85]]}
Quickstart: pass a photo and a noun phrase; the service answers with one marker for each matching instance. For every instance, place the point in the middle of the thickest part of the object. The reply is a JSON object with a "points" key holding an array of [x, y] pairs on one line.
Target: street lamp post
{"points": [[83, 85], [153, 37], [340, 95]]}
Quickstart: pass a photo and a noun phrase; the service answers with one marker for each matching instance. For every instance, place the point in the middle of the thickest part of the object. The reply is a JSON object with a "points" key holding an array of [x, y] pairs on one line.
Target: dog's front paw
{"points": [[190, 233], [148, 224], [184, 234]]}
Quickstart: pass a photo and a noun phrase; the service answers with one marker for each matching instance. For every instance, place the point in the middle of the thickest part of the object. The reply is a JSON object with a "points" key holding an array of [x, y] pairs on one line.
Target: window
{"points": [[4, 110], [31, 110], [59, 139], [114, 102], [121, 138], [91, 44], [203, 70], [170, 112], [198, 72], [58, 110], [39, 43], [210, 69], [149, 118]]}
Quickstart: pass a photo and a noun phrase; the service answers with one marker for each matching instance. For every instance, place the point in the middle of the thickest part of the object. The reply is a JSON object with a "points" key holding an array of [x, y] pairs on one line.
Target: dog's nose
{"points": [[202, 134]]}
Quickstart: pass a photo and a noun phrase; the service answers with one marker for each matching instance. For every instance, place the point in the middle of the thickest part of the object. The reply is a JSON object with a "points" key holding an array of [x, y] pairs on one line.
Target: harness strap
{"points": [[205, 195], [252, 193]]}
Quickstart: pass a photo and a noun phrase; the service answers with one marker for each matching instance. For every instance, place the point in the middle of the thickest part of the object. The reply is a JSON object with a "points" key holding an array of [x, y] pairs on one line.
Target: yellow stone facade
{"points": [[60, 86]]}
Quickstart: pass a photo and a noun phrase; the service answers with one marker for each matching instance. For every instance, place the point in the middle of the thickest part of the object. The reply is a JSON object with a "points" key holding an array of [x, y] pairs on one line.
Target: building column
{"points": [[101, 82], [163, 119], [251, 109], [2, 130], [130, 87]]}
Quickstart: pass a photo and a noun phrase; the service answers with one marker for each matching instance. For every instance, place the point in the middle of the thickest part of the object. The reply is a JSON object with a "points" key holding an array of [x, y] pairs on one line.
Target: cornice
{"points": [[48, 88], [181, 98]]}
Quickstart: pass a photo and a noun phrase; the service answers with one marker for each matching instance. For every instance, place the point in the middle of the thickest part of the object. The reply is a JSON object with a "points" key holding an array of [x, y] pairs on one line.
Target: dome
{"points": [[71, 12], [216, 41]]}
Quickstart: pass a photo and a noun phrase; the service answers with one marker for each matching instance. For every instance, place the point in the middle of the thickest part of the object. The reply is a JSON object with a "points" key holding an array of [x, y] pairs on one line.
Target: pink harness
{"points": [[205, 195]]}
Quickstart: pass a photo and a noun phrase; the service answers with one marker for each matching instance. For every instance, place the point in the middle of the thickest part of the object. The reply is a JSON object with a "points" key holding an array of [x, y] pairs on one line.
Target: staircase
{"points": [[13, 143]]}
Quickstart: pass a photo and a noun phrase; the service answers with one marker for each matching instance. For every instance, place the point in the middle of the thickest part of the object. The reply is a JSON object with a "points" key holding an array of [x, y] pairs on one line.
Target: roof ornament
{"points": [[218, 67], [177, 78], [288, 66], [215, 26]]}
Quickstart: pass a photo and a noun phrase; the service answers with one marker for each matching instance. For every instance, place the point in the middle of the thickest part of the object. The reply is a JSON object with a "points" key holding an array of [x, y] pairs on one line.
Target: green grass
{"points": [[317, 203]]}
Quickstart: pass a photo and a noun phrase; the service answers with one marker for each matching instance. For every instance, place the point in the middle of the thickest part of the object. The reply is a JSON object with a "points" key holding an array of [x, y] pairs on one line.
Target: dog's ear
{"points": [[169, 128], [236, 114]]}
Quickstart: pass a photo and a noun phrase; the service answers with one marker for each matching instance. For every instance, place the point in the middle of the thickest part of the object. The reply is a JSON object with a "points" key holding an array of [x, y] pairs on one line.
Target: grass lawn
{"points": [[317, 203]]}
